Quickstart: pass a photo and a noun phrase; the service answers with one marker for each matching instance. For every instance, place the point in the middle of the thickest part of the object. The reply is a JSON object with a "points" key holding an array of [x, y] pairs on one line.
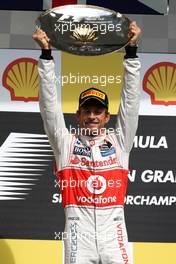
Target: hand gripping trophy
{"points": [[96, 160]]}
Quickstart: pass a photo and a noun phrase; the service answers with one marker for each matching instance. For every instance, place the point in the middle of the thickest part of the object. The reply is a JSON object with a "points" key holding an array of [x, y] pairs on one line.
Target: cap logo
{"points": [[93, 93]]}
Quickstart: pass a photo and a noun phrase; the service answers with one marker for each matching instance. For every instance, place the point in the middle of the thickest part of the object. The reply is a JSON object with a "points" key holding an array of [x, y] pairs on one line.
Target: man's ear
{"points": [[77, 115], [107, 117]]}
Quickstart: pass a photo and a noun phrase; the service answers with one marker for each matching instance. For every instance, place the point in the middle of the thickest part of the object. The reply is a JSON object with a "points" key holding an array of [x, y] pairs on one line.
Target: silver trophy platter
{"points": [[85, 29]]}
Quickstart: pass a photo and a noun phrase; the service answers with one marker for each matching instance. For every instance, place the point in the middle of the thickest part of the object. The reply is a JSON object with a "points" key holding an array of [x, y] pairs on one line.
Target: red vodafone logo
{"points": [[96, 184]]}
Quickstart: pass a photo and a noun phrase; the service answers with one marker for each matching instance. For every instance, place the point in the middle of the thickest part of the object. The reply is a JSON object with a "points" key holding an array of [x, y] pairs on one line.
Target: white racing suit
{"points": [[93, 173]]}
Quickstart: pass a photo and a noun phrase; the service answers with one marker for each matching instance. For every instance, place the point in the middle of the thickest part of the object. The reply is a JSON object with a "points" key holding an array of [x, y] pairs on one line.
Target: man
{"points": [[92, 165]]}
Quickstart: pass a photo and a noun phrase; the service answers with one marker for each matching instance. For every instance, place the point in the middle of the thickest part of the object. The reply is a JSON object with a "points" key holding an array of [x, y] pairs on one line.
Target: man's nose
{"points": [[92, 114]]}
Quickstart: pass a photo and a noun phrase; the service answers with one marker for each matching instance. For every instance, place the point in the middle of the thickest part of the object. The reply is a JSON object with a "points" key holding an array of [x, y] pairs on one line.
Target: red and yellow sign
{"points": [[160, 83], [21, 79]]}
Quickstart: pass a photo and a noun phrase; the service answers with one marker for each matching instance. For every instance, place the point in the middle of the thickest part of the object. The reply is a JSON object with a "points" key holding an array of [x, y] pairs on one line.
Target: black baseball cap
{"points": [[93, 93]]}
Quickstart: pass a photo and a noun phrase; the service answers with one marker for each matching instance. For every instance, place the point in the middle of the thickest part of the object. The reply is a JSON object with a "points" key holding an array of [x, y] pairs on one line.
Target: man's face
{"points": [[92, 117]]}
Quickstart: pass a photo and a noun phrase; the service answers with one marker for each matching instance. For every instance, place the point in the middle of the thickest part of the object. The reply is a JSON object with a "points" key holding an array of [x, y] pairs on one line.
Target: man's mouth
{"points": [[91, 123]]}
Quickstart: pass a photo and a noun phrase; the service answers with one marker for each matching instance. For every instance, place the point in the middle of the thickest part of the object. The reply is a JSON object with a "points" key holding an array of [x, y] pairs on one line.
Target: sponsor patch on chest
{"points": [[83, 151], [107, 149]]}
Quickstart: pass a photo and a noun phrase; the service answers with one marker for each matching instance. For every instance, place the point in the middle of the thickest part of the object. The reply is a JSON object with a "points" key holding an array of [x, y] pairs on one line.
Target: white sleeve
{"points": [[127, 119], [50, 105]]}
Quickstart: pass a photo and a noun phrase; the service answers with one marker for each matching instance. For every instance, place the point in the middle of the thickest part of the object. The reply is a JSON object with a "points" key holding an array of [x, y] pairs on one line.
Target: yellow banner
{"points": [[15, 251], [79, 73], [154, 253]]}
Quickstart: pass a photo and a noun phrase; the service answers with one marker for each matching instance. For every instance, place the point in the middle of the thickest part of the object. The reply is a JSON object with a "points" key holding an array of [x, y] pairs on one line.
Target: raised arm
{"points": [[49, 100], [127, 119]]}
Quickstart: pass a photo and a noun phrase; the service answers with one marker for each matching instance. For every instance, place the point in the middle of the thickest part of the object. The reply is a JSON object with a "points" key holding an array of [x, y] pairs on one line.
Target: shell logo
{"points": [[21, 79], [160, 83]]}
